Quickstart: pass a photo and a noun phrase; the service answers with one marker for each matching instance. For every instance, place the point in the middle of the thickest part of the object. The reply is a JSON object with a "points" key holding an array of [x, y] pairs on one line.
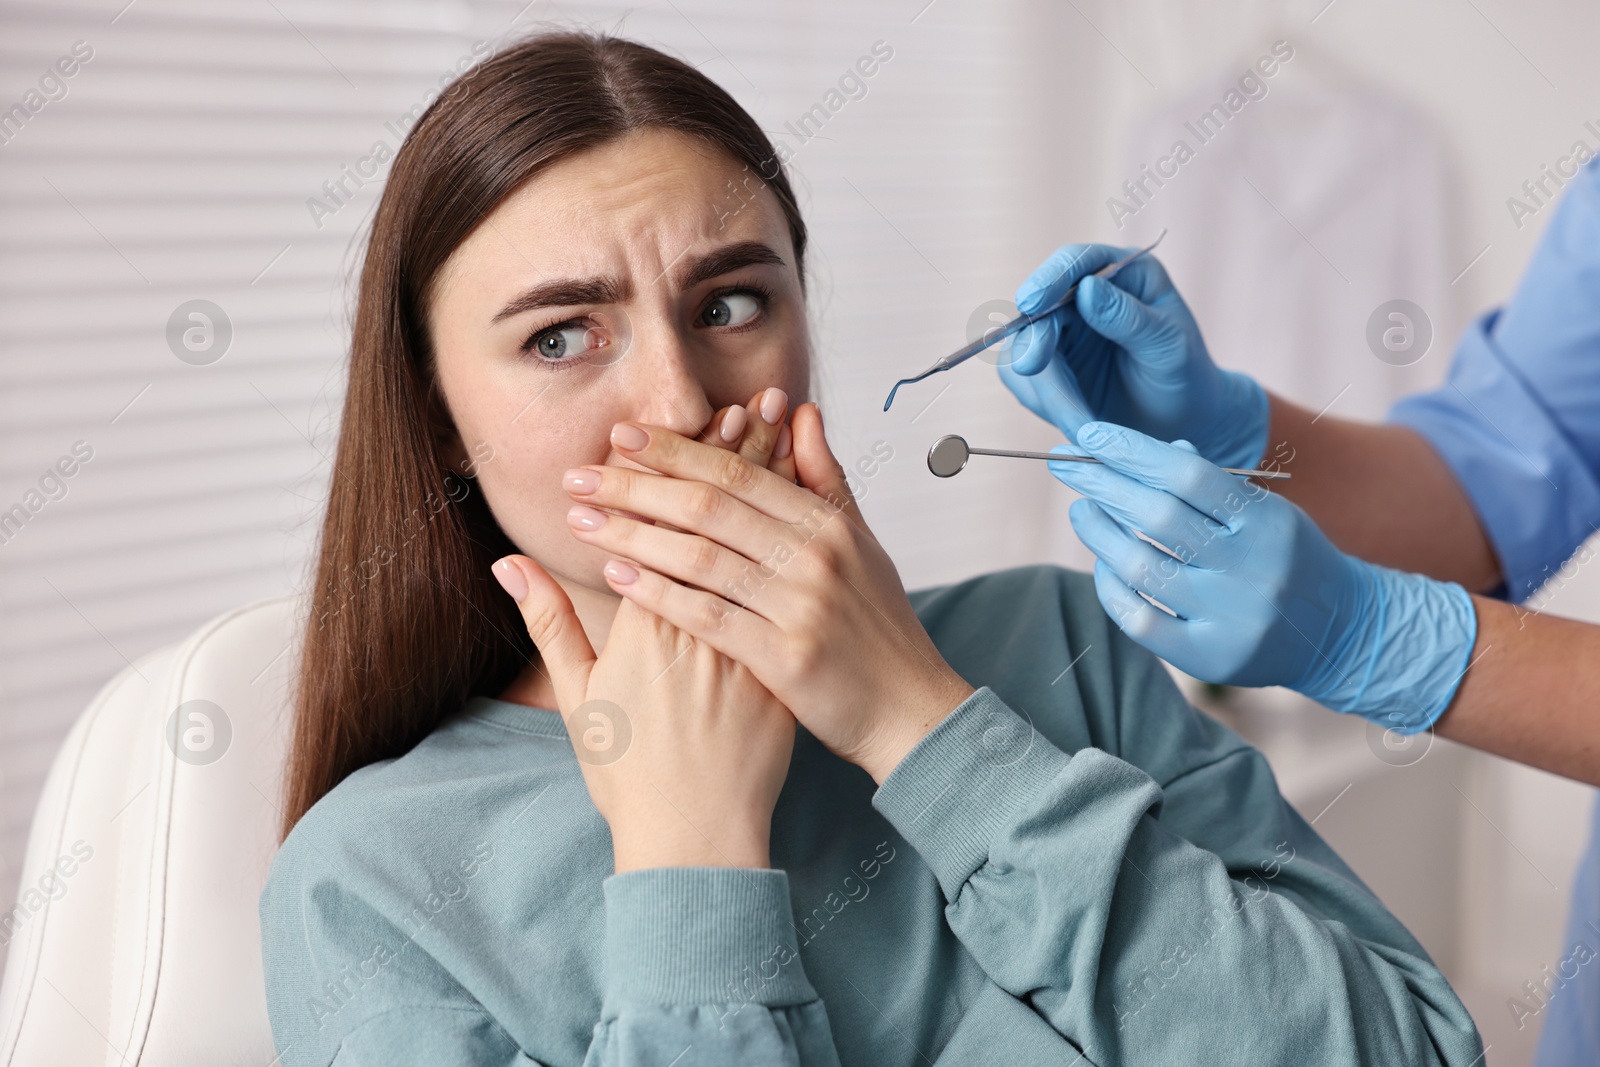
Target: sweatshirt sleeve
{"points": [[702, 967], [1197, 921], [345, 986], [695, 958]]}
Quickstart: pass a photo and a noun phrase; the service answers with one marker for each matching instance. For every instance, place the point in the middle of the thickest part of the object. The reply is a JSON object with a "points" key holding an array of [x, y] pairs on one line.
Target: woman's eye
{"points": [[564, 342], [730, 309]]}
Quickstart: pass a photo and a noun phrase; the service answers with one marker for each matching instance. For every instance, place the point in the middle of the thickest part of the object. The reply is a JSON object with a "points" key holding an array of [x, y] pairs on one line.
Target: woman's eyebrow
{"points": [[565, 292], [569, 292], [727, 258]]}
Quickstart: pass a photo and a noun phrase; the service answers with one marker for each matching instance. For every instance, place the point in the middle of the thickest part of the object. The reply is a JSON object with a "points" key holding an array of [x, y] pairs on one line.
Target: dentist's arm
{"points": [[1261, 597], [1381, 492], [1531, 692]]}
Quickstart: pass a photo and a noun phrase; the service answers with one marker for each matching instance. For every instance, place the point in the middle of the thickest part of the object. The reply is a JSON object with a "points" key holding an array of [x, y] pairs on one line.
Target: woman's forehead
{"points": [[637, 205]]}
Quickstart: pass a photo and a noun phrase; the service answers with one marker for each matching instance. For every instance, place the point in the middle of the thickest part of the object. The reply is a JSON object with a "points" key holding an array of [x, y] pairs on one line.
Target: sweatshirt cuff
{"points": [[701, 935], [964, 782]]}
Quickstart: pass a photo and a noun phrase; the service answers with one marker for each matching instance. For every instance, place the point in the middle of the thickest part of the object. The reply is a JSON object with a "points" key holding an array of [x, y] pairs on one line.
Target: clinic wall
{"points": [[904, 260]]}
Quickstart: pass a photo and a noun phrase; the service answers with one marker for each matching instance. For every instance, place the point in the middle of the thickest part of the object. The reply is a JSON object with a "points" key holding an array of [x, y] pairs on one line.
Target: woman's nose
{"points": [[668, 387]]}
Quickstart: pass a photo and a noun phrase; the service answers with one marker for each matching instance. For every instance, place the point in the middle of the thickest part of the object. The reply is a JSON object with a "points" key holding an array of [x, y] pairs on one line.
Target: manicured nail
{"points": [[733, 424], [579, 480], [585, 518], [785, 442], [628, 437], [621, 573], [509, 575], [773, 401]]}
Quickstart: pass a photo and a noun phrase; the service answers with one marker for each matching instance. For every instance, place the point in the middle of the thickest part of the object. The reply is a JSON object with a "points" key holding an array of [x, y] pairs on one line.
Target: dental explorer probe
{"points": [[948, 457], [996, 335]]}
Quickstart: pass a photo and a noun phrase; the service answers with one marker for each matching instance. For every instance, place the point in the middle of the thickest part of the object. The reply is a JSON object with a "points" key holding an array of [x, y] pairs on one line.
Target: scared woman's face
{"points": [[651, 279]]}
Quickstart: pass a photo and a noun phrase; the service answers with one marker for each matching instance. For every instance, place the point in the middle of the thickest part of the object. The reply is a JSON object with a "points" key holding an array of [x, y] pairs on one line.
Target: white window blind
{"points": [[193, 155]]}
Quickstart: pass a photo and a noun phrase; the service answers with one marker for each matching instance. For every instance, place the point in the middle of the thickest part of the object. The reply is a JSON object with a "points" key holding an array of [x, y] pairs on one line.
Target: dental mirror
{"points": [[947, 456]]}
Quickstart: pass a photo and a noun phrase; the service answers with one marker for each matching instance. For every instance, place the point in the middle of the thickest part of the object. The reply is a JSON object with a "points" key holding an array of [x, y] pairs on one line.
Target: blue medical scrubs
{"points": [[1518, 421]]}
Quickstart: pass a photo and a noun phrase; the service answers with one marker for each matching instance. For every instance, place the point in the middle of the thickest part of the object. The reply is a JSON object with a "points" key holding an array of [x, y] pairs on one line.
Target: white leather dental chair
{"points": [[135, 939]]}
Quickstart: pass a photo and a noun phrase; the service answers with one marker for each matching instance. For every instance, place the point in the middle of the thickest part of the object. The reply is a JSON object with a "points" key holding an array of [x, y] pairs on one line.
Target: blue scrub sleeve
{"points": [[1518, 420]]}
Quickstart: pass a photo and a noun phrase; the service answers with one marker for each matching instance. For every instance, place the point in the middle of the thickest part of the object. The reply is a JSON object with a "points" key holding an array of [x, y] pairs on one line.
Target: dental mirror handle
{"points": [[1059, 458]]}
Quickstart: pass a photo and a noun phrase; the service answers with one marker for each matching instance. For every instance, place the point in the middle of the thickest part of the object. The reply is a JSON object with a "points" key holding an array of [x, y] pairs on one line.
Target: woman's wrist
{"points": [[683, 846], [899, 735]]}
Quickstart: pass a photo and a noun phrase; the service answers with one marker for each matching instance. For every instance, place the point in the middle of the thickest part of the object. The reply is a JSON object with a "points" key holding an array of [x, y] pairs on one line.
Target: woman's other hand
{"points": [[681, 749], [786, 579]]}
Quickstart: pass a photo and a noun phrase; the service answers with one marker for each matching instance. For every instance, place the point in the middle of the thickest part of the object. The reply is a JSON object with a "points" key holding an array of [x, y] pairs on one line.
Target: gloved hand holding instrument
{"points": [[1129, 352], [1257, 594]]}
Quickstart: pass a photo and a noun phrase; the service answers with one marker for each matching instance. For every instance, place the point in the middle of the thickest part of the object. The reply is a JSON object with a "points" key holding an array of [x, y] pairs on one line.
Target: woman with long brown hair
{"points": [[632, 749]]}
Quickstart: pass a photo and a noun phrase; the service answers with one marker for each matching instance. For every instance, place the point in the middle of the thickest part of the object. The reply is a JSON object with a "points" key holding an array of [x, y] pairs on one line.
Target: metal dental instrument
{"points": [[996, 335], [948, 457]]}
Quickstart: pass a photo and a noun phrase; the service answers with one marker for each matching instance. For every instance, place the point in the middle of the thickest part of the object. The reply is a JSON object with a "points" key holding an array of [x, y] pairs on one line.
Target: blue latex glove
{"points": [[1129, 352], [1260, 596]]}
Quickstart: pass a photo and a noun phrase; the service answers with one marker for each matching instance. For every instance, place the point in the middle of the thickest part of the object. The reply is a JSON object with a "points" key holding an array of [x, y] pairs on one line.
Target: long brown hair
{"points": [[405, 620]]}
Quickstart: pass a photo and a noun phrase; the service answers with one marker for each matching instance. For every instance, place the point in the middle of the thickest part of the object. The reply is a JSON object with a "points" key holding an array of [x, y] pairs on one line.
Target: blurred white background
{"points": [[180, 160]]}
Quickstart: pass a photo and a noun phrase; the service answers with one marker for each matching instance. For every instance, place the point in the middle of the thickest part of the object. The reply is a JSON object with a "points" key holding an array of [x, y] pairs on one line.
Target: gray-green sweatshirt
{"points": [[1074, 867]]}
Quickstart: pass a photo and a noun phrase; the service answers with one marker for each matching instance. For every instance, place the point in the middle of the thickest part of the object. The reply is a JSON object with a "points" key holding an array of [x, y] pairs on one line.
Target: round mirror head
{"points": [[947, 456]]}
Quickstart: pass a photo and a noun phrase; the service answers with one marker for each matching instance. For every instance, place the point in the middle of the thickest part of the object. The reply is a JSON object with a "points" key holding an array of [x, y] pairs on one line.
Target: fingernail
{"points": [[629, 437], [773, 401], [580, 517], [578, 480], [621, 573], [733, 424], [785, 442], [509, 575]]}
